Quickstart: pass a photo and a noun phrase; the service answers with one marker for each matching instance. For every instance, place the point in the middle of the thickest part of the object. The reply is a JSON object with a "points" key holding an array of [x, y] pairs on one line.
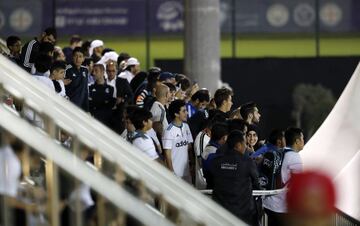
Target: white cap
{"points": [[94, 44], [112, 55], [132, 61]]}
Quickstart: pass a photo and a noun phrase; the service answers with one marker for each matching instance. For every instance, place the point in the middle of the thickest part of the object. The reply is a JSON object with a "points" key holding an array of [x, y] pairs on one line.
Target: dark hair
{"points": [[201, 95], [74, 39], [247, 109], [122, 56], [175, 107], [58, 65], [43, 63], [152, 77], [179, 77], [221, 95], [154, 70], [51, 31], [219, 130], [252, 128], [275, 135], [99, 66], [138, 116], [85, 47], [11, 40], [291, 134], [46, 47], [171, 86], [87, 61], [78, 49], [235, 137], [106, 50], [237, 124], [130, 110], [184, 83]]}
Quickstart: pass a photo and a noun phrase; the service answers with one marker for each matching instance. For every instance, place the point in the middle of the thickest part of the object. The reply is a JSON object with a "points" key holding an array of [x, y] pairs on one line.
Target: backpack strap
{"points": [[202, 137]]}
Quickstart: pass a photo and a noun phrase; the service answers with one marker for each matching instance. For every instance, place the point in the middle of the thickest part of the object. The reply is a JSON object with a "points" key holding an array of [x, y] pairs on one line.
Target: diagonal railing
{"points": [[47, 147], [180, 202]]}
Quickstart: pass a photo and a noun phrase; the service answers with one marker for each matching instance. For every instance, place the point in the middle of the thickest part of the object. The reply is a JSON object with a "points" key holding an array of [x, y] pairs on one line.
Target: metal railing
{"points": [[46, 146], [179, 202]]}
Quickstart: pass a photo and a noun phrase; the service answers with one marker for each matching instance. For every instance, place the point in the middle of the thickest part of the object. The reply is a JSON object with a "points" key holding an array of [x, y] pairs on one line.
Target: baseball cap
{"points": [[132, 61], [166, 75]]}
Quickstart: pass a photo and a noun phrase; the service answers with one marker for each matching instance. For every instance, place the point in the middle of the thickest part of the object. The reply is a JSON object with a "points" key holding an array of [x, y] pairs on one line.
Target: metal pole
{"points": [[147, 33], [317, 28], [202, 42], [233, 28]]}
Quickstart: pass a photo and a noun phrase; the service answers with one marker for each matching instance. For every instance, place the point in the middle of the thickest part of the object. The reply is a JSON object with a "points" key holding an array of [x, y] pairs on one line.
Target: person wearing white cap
{"points": [[96, 48], [132, 68]]}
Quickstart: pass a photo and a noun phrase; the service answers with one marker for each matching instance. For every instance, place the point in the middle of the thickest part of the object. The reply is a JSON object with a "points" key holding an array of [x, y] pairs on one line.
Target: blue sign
{"points": [[22, 18]]}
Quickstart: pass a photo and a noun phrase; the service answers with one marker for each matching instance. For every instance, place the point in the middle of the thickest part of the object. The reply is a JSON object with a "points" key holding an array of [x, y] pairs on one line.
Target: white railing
{"points": [[188, 202], [47, 147]]}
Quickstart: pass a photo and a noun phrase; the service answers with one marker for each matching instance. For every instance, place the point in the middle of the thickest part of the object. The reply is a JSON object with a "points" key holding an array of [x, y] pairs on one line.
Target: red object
{"points": [[311, 194]]}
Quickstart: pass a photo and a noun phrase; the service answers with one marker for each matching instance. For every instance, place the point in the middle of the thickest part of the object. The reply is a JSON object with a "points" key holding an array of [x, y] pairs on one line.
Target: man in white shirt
{"points": [[132, 68], [158, 109], [111, 72], [177, 141], [275, 206]]}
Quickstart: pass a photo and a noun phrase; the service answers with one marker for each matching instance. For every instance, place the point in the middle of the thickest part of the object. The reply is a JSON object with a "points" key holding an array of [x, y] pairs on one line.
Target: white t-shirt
{"points": [[10, 172], [126, 74], [146, 145], [151, 132], [177, 140], [62, 93], [292, 164], [159, 114]]}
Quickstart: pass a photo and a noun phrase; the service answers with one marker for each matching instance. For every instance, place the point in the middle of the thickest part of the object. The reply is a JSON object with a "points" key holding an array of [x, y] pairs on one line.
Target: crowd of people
{"points": [[194, 134]]}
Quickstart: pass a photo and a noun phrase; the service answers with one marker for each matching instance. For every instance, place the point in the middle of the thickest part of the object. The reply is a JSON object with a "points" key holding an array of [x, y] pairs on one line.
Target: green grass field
{"points": [[173, 48]]}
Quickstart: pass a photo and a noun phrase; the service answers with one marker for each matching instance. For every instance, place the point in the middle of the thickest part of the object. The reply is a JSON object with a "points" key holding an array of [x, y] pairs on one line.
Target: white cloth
{"points": [[63, 91], [94, 44], [46, 81], [10, 172], [126, 74], [81, 193], [159, 114], [292, 164], [177, 140], [201, 140], [146, 145]]}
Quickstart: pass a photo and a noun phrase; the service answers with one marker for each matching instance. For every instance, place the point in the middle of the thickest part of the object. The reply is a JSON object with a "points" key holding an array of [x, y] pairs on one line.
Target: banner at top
{"points": [[166, 17]]}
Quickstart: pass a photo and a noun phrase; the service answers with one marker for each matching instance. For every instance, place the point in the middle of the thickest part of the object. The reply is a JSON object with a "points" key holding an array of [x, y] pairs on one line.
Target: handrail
{"points": [[46, 146], [109, 144], [254, 192]]}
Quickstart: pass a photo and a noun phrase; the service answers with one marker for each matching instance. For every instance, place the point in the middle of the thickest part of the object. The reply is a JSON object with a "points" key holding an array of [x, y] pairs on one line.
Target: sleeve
{"points": [[156, 112], [167, 140], [254, 175]]}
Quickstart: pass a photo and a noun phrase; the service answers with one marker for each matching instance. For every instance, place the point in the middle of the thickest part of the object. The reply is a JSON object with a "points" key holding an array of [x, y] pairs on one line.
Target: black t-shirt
{"points": [[77, 90]]}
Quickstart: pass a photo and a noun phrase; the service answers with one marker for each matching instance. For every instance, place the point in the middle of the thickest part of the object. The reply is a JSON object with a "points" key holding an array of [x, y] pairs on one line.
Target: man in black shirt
{"points": [[235, 176], [76, 80], [101, 96], [30, 50]]}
